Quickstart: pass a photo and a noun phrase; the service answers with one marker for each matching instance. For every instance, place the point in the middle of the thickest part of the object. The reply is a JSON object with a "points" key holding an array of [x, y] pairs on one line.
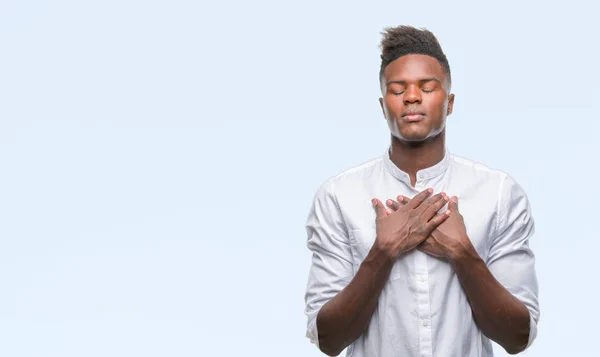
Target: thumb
{"points": [[380, 210], [453, 204]]}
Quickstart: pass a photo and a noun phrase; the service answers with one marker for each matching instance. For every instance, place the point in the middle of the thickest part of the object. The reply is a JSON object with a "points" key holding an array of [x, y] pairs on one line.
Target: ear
{"points": [[450, 104], [381, 104]]}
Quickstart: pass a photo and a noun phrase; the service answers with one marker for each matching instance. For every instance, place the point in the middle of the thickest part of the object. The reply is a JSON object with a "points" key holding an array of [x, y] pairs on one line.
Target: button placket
{"points": [[423, 305]]}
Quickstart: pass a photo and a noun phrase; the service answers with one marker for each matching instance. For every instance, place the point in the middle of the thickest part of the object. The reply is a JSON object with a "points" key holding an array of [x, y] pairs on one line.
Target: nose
{"points": [[412, 95]]}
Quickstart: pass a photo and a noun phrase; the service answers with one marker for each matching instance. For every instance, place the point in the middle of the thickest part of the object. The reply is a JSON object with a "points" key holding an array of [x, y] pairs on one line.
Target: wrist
{"points": [[462, 251], [377, 264], [382, 252], [385, 251]]}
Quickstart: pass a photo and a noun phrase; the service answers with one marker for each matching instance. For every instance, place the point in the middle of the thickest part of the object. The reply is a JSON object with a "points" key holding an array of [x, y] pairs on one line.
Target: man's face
{"points": [[415, 98]]}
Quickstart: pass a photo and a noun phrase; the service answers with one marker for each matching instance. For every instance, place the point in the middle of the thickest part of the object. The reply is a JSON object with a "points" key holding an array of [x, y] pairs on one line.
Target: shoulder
{"points": [[505, 183], [487, 179], [352, 177], [502, 190], [477, 173], [477, 170]]}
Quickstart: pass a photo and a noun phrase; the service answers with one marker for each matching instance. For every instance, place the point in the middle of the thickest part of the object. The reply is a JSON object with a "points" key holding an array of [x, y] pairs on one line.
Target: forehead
{"points": [[412, 68]]}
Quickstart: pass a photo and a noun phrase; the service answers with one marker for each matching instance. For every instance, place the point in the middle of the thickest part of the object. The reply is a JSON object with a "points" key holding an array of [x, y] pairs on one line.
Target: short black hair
{"points": [[403, 40]]}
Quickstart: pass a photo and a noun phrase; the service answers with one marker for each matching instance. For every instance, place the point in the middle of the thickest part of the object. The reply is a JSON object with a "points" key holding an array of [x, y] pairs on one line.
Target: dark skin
{"points": [[415, 103], [500, 316], [416, 84], [345, 317]]}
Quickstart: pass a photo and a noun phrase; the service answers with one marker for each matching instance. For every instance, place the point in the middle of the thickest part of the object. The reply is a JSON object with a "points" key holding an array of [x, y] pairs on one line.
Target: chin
{"points": [[411, 139], [413, 133], [414, 137]]}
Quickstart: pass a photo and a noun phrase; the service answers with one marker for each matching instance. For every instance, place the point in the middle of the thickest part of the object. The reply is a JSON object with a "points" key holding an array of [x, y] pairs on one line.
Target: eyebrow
{"points": [[421, 81]]}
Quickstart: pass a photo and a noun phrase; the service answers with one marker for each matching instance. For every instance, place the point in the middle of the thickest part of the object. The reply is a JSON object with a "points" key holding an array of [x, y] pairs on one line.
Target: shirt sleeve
{"points": [[331, 264], [511, 260]]}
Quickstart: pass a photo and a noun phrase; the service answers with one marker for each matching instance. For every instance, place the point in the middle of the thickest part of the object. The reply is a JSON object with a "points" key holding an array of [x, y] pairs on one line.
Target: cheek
{"points": [[392, 105], [438, 106], [445, 106]]}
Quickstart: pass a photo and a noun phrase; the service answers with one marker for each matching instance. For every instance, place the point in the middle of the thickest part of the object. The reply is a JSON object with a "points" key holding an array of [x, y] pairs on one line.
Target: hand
{"points": [[410, 224], [449, 238]]}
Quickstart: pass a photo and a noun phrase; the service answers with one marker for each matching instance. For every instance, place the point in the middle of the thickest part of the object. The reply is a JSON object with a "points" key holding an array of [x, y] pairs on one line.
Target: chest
{"points": [[476, 205]]}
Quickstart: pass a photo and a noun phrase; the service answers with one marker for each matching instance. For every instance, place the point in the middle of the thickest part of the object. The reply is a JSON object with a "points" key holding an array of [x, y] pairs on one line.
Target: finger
{"points": [[402, 200], [434, 208], [436, 221], [380, 210], [393, 205], [425, 244], [428, 202], [453, 204], [418, 199]]}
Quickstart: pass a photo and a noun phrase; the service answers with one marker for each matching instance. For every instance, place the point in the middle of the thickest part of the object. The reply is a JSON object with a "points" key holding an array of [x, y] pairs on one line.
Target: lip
{"points": [[413, 116]]}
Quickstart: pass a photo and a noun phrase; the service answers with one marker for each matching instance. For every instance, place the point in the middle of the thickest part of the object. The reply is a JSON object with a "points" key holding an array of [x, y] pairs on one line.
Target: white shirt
{"points": [[422, 310]]}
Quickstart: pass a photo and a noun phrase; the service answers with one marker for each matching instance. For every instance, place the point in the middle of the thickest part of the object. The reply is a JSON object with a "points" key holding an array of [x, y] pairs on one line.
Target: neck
{"points": [[411, 157]]}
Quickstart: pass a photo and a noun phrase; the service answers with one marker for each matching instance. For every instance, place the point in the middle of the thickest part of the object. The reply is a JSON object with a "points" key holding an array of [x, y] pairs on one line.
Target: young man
{"points": [[444, 265]]}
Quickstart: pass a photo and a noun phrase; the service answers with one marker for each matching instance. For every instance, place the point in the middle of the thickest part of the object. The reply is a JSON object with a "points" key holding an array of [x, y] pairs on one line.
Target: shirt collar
{"points": [[424, 174]]}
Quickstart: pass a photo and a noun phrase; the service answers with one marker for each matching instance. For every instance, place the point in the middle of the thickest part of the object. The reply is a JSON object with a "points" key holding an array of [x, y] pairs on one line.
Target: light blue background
{"points": [[158, 160]]}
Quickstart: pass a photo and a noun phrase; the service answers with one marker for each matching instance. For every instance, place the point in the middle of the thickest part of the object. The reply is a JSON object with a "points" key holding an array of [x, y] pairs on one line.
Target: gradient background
{"points": [[158, 160]]}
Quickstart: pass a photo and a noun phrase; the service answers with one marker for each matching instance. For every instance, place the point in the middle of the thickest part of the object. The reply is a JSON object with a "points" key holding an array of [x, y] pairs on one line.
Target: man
{"points": [[441, 268]]}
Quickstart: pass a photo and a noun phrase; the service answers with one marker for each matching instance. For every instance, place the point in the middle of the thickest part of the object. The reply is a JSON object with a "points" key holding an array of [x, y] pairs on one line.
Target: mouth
{"points": [[412, 117]]}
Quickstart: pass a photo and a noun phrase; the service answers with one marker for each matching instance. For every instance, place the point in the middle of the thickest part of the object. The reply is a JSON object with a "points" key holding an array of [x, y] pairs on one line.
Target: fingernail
{"points": [[447, 213], [389, 202], [374, 202], [430, 190]]}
